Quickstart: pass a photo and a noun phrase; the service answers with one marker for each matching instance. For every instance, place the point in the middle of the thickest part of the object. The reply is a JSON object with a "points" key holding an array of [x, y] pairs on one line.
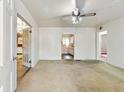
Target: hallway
{"points": [[72, 76]]}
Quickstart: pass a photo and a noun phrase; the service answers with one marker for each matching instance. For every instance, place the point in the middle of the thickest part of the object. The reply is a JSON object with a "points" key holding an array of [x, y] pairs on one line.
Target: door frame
{"points": [[73, 44], [99, 42], [30, 36]]}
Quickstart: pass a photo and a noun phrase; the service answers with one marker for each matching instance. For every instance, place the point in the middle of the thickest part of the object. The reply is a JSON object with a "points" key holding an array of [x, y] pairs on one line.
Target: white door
{"points": [[8, 44]]}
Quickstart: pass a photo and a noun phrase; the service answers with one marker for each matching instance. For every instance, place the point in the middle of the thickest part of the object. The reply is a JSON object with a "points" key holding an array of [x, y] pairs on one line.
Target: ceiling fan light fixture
{"points": [[75, 19], [76, 12], [75, 22]]}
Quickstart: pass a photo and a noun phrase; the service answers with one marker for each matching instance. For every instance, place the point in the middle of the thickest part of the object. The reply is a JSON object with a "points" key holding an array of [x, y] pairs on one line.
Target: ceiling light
{"points": [[75, 19], [76, 11]]}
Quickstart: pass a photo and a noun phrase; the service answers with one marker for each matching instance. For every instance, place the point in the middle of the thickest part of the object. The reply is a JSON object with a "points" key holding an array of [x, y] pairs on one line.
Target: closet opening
{"points": [[23, 47]]}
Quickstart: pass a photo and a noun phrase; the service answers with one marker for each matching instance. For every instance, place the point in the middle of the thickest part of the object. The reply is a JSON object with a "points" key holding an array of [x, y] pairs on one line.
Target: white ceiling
{"points": [[48, 13]]}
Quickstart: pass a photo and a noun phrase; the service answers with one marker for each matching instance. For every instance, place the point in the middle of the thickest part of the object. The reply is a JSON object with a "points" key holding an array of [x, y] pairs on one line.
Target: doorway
{"points": [[67, 46], [103, 45], [23, 47]]}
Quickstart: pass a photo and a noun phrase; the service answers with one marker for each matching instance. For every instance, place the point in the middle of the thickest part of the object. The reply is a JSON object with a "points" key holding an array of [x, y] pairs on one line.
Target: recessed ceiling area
{"points": [[49, 13]]}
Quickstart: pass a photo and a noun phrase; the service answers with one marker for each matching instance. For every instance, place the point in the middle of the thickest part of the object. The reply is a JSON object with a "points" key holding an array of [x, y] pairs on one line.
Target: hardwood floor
{"points": [[72, 76], [21, 69]]}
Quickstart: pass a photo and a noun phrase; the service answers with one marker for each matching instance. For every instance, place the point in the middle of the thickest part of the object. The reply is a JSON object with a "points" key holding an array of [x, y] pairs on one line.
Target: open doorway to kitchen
{"points": [[23, 47], [67, 46], [103, 45]]}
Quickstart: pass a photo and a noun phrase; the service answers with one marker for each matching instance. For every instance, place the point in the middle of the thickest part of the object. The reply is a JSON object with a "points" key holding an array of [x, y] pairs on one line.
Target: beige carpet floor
{"points": [[72, 76]]}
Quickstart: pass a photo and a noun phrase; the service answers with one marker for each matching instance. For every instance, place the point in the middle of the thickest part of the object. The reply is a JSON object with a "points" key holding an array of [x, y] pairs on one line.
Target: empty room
{"points": [[61, 45]]}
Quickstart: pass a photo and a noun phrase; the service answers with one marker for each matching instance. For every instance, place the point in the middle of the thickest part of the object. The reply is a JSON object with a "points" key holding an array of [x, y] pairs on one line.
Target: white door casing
{"points": [[1, 45], [99, 44]]}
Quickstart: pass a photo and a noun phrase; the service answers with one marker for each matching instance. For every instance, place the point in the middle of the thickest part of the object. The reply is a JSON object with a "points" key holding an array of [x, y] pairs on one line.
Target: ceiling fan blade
{"points": [[66, 15], [88, 14], [62, 16]]}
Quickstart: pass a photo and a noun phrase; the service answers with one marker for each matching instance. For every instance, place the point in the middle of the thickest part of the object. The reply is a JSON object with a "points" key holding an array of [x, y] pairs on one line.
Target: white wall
{"points": [[50, 43], [22, 10], [115, 42]]}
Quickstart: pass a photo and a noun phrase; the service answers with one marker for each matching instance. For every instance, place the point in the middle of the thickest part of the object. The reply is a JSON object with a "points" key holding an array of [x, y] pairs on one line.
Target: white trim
{"points": [[1, 33], [103, 32], [99, 41]]}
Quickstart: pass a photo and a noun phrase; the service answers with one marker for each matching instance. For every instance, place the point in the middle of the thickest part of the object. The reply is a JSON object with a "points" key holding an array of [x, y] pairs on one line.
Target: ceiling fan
{"points": [[77, 13]]}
